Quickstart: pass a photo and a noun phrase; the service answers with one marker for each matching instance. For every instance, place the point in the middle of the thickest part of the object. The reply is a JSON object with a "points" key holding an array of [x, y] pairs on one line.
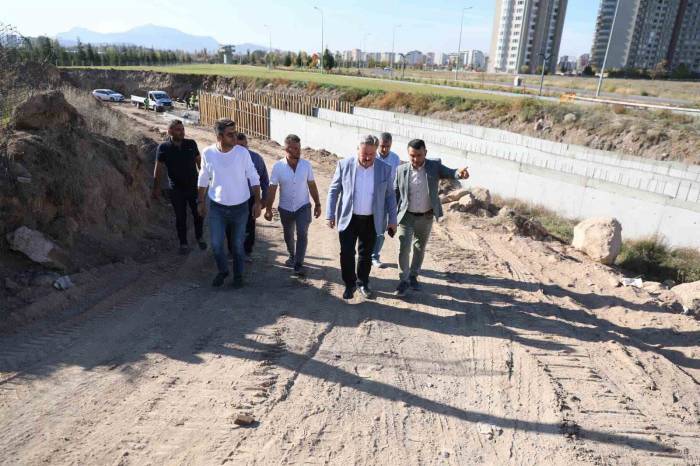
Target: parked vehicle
{"points": [[107, 95], [158, 101]]}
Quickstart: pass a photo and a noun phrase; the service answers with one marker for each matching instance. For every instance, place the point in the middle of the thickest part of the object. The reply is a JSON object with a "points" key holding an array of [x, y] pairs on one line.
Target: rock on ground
{"points": [[689, 296], [38, 248], [600, 238]]}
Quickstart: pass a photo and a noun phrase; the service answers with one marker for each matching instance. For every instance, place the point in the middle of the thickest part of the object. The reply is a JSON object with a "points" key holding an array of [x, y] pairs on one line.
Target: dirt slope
{"points": [[517, 352]]}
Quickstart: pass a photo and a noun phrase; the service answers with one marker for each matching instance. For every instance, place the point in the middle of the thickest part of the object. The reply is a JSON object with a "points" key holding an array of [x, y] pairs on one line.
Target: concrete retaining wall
{"points": [[641, 212]]}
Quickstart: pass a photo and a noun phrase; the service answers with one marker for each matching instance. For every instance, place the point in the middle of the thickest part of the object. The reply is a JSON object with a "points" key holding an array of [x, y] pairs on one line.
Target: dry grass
{"points": [[554, 223], [654, 260]]}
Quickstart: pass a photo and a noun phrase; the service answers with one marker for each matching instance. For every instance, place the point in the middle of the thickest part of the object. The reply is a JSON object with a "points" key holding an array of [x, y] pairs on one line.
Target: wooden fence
{"points": [[297, 103], [251, 118]]}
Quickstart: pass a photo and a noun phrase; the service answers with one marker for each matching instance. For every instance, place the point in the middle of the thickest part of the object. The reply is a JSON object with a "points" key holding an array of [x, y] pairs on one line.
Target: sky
{"points": [[426, 25]]}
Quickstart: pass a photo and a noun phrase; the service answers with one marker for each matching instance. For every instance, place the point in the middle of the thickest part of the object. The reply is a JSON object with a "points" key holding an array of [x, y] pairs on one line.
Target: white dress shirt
{"points": [[293, 184], [227, 175], [364, 190]]}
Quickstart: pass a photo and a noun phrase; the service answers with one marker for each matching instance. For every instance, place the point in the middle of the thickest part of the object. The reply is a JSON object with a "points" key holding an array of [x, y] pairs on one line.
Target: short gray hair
{"points": [[385, 137], [221, 125], [291, 138], [369, 140]]}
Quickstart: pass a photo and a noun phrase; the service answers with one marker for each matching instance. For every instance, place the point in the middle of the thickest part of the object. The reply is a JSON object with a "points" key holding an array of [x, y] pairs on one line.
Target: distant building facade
{"points": [[525, 32]]}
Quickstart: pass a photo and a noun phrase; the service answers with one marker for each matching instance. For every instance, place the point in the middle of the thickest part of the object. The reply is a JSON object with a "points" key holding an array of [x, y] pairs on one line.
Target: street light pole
{"points": [[322, 51], [269, 50], [459, 47], [607, 49], [393, 41], [364, 45]]}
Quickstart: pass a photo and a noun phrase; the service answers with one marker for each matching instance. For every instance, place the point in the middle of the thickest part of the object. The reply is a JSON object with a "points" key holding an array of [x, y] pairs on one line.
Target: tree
{"points": [[81, 53], [288, 59], [588, 71], [682, 72], [328, 61], [299, 61], [660, 70]]}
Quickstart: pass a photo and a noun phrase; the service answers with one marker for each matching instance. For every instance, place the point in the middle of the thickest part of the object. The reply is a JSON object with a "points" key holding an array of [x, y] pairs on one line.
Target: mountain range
{"points": [[149, 35]]}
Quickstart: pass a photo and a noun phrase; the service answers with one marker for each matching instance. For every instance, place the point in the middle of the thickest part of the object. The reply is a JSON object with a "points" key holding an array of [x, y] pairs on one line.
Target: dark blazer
{"points": [[435, 171]]}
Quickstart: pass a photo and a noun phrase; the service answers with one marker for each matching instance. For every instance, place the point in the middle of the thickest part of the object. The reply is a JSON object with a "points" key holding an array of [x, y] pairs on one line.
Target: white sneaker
{"points": [[377, 263]]}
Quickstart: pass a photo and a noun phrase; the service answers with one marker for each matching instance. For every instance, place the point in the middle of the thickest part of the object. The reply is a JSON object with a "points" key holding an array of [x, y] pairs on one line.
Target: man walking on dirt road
{"points": [[362, 202], [295, 179], [180, 158], [384, 154], [259, 163], [418, 202], [229, 177]]}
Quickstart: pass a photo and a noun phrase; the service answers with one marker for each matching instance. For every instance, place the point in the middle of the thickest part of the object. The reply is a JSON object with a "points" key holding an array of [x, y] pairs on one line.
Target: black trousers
{"points": [[249, 240], [361, 234], [180, 199]]}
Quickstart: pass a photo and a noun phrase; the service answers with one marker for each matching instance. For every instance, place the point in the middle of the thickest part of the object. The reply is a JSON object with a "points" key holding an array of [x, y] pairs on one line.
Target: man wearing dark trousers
{"points": [[416, 187], [259, 163], [362, 203], [180, 159]]}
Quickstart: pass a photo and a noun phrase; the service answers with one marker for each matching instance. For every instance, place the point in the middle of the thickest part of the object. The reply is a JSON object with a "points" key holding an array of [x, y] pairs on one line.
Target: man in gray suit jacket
{"points": [[361, 201], [416, 185]]}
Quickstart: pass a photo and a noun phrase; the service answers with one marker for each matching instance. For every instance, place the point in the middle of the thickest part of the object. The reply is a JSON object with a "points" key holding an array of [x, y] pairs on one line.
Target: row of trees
{"points": [[44, 49]]}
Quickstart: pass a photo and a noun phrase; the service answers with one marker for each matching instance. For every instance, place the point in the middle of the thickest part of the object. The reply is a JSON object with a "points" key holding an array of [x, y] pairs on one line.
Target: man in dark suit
{"points": [[361, 201], [418, 202]]}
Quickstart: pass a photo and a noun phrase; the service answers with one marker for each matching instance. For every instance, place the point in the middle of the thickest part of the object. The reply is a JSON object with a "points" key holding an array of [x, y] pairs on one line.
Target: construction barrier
{"points": [[251, 118]]}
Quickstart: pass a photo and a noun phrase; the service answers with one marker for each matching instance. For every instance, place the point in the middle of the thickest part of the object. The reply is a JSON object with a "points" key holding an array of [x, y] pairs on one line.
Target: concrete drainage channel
{"points": [[648, 197]]}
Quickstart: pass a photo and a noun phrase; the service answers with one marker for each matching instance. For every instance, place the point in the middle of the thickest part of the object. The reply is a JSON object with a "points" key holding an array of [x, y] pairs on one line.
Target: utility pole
{"points": [[607, 49], [459, 47], [322, 50]]}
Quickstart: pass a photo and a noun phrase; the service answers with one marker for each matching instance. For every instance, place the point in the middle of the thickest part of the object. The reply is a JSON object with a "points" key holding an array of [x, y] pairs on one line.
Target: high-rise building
{"points": [[583, 61], [525, 32], [430, 58], [415, 58], [475, 60], [646, 33]]}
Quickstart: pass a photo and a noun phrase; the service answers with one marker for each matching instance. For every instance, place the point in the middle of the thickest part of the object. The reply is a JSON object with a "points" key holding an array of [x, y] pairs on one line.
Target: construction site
{"points": [[523, 347]]}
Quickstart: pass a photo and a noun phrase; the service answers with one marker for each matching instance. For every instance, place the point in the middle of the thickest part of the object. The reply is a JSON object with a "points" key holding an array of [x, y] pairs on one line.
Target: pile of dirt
{"points": [[72, 190]]}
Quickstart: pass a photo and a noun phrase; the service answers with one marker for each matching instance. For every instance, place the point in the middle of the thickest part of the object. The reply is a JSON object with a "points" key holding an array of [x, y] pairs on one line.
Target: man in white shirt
{"points": [[295, 179], [226, 172], [362, 203], [384, 154]]}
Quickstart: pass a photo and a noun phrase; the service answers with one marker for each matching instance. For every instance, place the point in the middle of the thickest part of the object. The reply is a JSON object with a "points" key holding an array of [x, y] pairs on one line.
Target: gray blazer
{"points": [[340, 193], [435, 171]]}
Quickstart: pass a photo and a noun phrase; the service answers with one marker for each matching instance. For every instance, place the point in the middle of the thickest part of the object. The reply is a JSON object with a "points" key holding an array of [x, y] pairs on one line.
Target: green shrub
{"points": [[654, 260]]}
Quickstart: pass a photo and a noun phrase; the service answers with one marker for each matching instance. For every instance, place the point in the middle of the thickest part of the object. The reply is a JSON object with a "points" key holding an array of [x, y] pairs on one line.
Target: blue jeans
{"points": [[378, 247], [301, 219], [220, 217]]}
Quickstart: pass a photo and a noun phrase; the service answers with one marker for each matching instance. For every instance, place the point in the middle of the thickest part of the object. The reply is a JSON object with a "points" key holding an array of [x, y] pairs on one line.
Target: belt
{"points": [[421, 214], [362, 216]]}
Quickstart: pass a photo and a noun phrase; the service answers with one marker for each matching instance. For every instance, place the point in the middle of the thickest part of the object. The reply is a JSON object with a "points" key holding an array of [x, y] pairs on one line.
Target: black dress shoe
{"points": [[202, 245], [219, 279], [414, 283], [349, 292], [401, 289]]}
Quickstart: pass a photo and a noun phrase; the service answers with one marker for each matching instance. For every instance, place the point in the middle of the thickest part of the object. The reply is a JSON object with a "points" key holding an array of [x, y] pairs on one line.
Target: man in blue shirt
{"points": [[259, 163], [384, 154]]}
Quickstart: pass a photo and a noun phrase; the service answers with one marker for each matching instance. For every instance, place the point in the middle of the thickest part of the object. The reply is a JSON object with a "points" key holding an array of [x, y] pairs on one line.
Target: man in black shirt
{"points": [[179, 157]]}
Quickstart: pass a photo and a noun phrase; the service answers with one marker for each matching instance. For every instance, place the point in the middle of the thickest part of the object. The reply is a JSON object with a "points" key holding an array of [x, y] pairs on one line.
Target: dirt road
{"points": [[516, 352]]}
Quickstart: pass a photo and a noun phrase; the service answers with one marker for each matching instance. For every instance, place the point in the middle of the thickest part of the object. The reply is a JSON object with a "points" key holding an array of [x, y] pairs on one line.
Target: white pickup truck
{"points": [[155, 100]]}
